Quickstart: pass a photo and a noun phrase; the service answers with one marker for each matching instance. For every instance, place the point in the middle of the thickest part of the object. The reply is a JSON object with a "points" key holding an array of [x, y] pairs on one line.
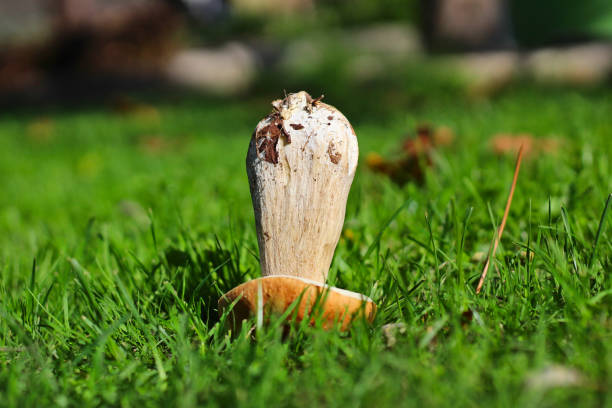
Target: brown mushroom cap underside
{"points": [[280, 291]]}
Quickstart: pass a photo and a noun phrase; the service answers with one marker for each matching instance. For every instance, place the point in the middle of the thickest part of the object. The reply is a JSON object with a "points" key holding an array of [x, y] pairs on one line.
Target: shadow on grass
{"points": [[202, 276]]}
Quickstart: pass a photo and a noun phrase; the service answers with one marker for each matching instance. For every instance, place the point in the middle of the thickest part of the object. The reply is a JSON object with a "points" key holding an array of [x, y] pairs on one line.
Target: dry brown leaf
{"points": [[416, 155], [140, 111], [443, 136], [158, 144], [40, 130], [509, 144]]}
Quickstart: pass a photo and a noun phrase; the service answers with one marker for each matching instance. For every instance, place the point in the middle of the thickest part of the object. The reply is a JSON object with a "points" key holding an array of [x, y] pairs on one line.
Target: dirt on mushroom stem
{"points": [[266, 138]]}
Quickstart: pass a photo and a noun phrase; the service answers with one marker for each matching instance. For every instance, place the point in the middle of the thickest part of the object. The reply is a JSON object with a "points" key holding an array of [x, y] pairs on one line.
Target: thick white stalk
{"points": [[300, 163]]}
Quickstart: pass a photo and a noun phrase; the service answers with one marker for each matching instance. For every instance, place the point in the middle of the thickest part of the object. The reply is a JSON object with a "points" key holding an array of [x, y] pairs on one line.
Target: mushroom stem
{"points": [[300, 164]]}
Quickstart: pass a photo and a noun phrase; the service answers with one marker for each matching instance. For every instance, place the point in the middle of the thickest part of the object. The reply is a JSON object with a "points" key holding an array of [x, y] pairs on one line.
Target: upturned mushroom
{"points": [[300, 163]]}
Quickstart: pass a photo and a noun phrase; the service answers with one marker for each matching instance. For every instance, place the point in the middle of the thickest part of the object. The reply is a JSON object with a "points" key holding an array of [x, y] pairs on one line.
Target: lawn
{"points": [[121, 224]]}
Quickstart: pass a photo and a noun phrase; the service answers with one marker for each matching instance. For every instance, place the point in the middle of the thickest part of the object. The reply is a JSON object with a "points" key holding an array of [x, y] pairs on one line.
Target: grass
{"points": [[120, 230]]}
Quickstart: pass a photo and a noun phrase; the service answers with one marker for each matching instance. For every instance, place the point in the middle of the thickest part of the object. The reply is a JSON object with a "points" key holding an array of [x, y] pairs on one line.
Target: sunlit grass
{"points": [[120, 230]]}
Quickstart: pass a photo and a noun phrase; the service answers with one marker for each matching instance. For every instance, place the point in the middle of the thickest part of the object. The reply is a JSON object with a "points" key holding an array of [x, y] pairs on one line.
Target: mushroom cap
{"points": [[280, 291]]}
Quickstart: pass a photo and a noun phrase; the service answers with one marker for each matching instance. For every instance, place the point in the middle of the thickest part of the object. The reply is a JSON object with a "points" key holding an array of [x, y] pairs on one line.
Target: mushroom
{"points": [[300, 164]]}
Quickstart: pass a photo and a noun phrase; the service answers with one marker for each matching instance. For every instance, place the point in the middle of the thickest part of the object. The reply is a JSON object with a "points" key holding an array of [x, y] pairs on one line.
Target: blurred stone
{"points": [[585, 64], [487, 72], [369, 51], [391, 331], [82, 39], [117, 36], [226, 70], [92, 13], [303, 49], [389, 40], [478, 256], [23, 24], [264, 7], [376, 48], [365, 67], [24, 21], [466, 24], [133, 210], [554, 376]]}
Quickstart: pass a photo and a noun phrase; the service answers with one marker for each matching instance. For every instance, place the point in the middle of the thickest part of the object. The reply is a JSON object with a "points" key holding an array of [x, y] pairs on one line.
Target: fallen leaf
{"points": [[374, 160], [153, 144], [140, 111], [422, 143], [400, 171], [443, 136], [416, 155], [157, 144], [40, 130], [466, 318], [509, 144]]}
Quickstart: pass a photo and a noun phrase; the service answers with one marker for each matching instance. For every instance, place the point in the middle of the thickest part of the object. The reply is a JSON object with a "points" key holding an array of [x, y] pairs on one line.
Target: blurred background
{"points": [[124, 126], [74, 52]]}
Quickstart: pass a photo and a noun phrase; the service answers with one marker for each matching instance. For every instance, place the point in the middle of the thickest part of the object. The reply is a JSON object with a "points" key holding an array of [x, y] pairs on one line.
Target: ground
{"points": [[122, 223]]}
